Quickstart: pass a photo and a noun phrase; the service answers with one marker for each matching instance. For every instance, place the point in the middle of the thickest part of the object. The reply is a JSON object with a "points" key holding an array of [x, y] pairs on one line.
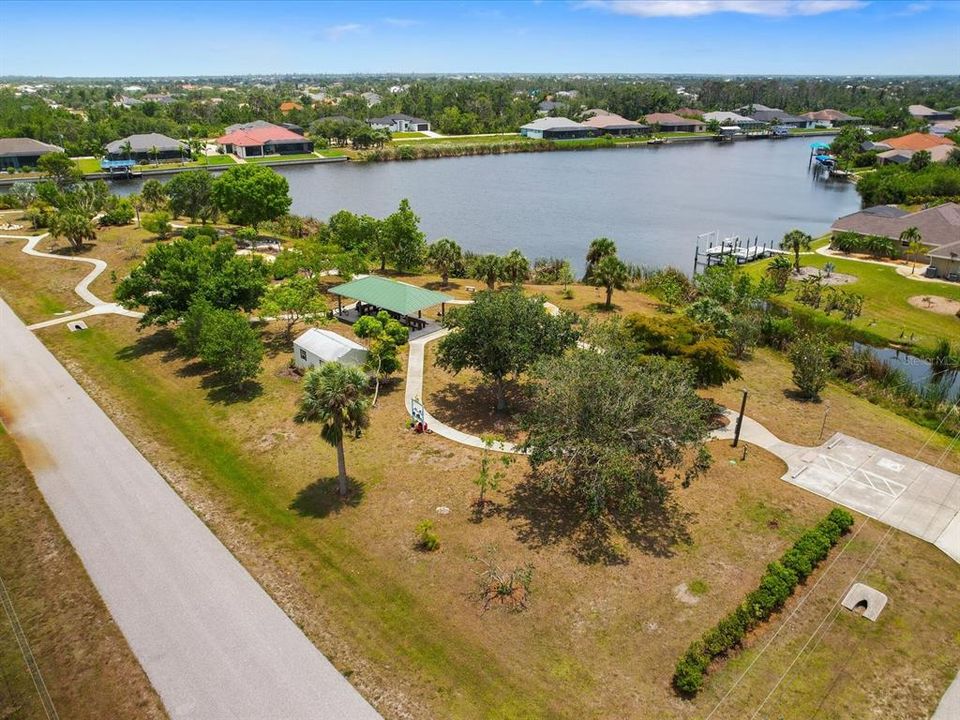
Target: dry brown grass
{"points": [[768, 378], [85, 662], [604, 626]]}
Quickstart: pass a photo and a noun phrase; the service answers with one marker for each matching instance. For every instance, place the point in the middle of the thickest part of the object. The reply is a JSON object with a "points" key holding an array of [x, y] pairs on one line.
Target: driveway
{"points": [[211, 640]]}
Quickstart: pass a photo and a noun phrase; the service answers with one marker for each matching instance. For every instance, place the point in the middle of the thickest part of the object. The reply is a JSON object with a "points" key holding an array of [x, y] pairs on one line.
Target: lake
{"points": [[653, 201]]}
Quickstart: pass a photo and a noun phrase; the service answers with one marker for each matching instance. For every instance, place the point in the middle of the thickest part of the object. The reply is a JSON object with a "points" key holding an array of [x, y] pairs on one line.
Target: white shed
{"points": [[317, 346]]}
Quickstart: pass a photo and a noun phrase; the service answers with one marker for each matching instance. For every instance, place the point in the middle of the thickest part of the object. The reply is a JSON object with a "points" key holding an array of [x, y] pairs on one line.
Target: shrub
{"points": [[121, 213], [775, 588], [158, 223], [427, 539], [810, 355]]}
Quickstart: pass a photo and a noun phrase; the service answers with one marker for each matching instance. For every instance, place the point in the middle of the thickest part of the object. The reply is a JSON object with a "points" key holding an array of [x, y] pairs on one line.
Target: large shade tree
{"points": [[334, 395], [606, 432], [251, 194], [400, 240], [173, 275], [500, 335], [191, 194]]}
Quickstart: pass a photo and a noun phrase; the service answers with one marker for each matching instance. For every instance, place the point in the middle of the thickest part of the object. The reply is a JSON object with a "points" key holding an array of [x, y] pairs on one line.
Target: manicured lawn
{"points": [[283, 158], [331, 153], [84, 661], [92, 165], [88, 165], [407, 135], [886, 311], [467, 139]]}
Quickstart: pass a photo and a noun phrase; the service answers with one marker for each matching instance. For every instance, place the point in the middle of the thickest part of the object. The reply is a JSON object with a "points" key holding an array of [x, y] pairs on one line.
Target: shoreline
{"points": [[435, 151]]}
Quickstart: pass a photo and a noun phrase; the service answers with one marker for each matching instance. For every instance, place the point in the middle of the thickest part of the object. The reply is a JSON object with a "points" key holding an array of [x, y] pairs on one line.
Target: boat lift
{"points": [[717, 251]]}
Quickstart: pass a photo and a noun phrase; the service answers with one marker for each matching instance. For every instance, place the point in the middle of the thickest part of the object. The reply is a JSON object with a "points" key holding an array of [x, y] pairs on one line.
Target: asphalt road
{"points": [[213, 643]]}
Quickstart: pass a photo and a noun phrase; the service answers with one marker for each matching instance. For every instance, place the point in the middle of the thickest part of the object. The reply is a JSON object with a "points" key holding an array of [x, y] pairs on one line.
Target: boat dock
{"points": [[718, 251]]}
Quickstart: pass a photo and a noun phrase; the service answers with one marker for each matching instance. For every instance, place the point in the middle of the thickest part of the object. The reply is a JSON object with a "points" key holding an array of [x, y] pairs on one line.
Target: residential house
{"points": [[18, 153], [595, 111], [610, 124], [922, 112], [126, 102], [944, 127], [734, 119], [556, 128], [289, 106], [158, 98], [917, 141], [831, 118], [939, 229], [775, 116], [547, 106], [143, 148], [399, 122], [669, 122], [894, 156], [260, 138], [868, 145], [371, 98], [688, 112], [315, 347]]}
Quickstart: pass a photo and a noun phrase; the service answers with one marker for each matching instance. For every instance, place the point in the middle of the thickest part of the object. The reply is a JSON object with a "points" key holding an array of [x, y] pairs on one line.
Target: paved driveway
{"points": [[213, 643]]}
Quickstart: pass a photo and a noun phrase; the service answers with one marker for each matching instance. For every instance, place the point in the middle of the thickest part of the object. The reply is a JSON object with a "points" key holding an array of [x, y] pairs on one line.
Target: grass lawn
{"points": [[92, 165], [332, 153], [84, 661], [87, 165], [886, 311], [599, 639], [466, 139], [283, 158], [407, 135]]}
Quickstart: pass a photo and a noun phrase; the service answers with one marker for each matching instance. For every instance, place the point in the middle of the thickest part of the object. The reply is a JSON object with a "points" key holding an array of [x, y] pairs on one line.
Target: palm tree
{"points": [[127, 149], [515, 267], [74, 226], [155, 152], [488, 268], [610, 273], [797, 241], [779, 270], [334, 395], [912, 238], [599, 248], [444, 255]]}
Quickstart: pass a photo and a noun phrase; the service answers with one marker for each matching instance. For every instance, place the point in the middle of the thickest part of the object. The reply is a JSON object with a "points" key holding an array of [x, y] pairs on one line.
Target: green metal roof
{"points": [[390, 295]]}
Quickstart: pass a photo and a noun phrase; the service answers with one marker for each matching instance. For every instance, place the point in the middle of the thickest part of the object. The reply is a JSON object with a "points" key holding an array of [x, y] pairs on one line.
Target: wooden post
{"points": [[823, 425], [743, 407]]}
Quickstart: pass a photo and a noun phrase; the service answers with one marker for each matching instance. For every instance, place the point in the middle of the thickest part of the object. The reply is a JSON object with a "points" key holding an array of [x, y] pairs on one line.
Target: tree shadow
{"points": [[161, 340], [600, 307], [322, 498], [472, 409], [797, 396], [543, 518], [439, 286], [72, 250], [222, 393]]}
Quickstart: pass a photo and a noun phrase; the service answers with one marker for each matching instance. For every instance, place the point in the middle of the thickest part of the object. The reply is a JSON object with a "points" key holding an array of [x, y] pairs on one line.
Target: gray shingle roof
{"points": [[145, 143], [10, 147]]}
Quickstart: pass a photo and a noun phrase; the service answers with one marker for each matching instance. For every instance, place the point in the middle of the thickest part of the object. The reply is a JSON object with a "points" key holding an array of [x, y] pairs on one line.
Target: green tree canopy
{"points": [[353, 233], [444, 255], [59, 169], [501, 334], [251, 194], [191, 194], [334, 395], [599, 248], [298, 298], [605, 432], [797, 241], [401, 242], [154, 195], [488, 268], [75, 227], [515, 268], [610, 273], [173, 275], [230, 346]]}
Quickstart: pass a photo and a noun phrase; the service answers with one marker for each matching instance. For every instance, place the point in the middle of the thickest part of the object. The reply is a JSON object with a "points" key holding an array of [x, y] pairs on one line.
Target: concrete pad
{"points": [[860, 593]]}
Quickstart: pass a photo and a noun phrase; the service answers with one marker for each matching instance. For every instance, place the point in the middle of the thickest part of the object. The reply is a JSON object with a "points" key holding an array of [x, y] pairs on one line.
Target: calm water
{"points": [[653, 201], [918, 372]]}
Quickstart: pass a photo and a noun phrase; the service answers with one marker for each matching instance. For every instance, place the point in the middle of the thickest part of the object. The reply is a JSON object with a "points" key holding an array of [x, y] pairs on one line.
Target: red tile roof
{"points": [[256, 136], [916, 141]]}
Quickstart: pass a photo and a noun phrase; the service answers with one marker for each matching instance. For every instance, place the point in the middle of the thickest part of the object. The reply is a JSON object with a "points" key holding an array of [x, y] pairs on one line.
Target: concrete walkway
{"points": [[211, 640]]}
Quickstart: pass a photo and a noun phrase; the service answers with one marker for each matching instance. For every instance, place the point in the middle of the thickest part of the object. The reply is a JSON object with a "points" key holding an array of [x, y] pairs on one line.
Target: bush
{"points": [[158, 223], [810, 355], [775, 588], [121, 213], [427, 539], [205, 231]]}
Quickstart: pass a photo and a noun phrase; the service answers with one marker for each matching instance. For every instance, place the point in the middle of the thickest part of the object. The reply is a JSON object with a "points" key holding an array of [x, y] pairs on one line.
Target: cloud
{"points": [[916, 7], [693, 8], [335, 32], [401, 22]]}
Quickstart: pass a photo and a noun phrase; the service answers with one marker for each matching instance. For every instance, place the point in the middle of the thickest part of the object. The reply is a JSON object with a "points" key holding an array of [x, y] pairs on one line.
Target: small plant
{"points": [[489, 478], [698, 587], [427, 539], [508, 589]]}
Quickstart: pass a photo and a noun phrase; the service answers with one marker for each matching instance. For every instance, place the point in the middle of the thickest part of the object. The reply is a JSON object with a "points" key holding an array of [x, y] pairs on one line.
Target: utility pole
{"points": [[743, 407]]}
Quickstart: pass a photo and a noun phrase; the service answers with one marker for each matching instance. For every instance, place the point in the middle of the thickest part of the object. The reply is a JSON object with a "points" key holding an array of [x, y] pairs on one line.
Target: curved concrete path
{"points": [[82, 288], [919, 499]]}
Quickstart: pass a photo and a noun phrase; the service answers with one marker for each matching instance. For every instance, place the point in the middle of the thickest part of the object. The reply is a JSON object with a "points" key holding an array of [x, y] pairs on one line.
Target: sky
{"points": [[715, 37]]}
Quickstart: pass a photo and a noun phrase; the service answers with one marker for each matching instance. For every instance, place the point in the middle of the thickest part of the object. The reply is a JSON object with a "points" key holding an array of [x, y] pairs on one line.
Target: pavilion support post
{"points": [[443, 310], [339, 305]]}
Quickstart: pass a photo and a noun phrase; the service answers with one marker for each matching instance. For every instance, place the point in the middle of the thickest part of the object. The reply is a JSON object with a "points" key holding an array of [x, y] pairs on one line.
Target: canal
{"points": [[653, 201]]}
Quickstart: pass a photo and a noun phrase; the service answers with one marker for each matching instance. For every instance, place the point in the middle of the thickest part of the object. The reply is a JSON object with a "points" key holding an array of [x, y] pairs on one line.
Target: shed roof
{"points": [[400, 297], [326, 344]]}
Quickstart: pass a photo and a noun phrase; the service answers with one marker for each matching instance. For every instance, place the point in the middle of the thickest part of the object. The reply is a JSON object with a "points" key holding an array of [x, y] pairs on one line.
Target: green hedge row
{"points": [[776, 586]]}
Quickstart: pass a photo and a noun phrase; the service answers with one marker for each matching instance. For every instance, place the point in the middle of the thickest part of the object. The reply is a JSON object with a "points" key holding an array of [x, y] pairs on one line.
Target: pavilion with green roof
{"points": [[374, 293]]}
